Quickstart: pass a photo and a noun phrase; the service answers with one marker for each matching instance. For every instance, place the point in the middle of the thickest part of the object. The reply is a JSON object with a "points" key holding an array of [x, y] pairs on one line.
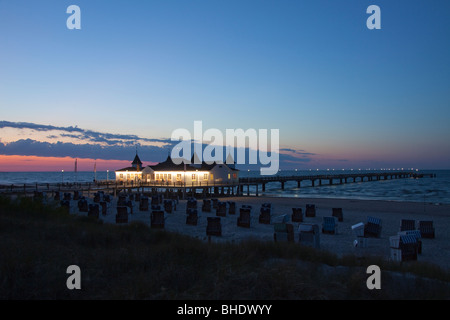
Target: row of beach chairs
{"points": [[297, 213], [67, 196], [407, 244], [265, 215], [157, 216], [362, 231], [373, 227], [310, 212], [308, 233], [425, 228], [221, 207]]}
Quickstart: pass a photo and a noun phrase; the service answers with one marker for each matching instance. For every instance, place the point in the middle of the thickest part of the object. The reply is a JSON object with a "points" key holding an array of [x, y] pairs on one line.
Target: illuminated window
{"points": [[179, 177], [121, 176], [170, 177], [229, 176], [234, 176], [193, 176], [205, 176]]}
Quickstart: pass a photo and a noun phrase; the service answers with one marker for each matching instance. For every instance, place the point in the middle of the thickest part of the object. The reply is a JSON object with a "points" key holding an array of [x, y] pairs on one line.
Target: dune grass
{"points": [[39, 242]]}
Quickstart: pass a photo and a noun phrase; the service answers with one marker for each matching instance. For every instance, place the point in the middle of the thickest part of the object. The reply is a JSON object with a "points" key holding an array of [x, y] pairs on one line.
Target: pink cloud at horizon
{"points": [[35, 163]]}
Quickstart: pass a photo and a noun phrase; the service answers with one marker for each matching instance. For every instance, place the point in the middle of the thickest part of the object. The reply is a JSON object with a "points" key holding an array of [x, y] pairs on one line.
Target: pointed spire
{"points": [[137, 163], [230, 161]]}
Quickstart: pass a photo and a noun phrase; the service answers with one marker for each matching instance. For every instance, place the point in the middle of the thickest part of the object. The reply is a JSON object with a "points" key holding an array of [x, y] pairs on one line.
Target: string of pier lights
{"points": [[369, 169]]}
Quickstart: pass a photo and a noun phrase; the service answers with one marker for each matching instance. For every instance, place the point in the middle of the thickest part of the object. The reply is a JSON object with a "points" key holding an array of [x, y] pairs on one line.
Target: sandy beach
{"points": [[436, 250]]}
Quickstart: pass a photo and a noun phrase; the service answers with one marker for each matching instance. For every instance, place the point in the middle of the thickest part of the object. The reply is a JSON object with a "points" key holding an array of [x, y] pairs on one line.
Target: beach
{"points": [[436, 251]]}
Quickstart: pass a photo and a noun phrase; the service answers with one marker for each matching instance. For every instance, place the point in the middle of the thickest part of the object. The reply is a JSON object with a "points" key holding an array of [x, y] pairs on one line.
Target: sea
{"points": [[431, 190]]}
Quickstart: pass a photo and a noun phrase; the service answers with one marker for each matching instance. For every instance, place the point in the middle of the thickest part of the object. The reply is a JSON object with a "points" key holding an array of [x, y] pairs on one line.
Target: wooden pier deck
{"points": [[208, 189]]}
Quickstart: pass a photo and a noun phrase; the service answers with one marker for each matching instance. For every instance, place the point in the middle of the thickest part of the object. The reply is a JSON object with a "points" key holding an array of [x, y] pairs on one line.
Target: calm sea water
{"points": [[434, 190]]}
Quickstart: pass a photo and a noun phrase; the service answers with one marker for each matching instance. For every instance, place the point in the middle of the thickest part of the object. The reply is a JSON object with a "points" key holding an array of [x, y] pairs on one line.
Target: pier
{"points": [[331, 179], [205, 189]]}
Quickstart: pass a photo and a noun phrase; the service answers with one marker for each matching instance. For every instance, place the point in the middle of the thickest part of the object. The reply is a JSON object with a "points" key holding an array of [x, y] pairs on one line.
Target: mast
{"points": [[76, 170], [95, 171]]}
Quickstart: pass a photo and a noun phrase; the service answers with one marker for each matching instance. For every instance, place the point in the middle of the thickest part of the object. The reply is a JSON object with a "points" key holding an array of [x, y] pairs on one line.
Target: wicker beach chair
{"points": [[265, 215], [408, 247], [426, 229], [231, 207], [206, 206], [143, 203], [214, 226], [309, 234], [337, 212], [244, 218], [329, 225], [297, 215], [310, 211], [97, 197], [168, 206], [83, 205], [192, 217], [157, 219], [360, 241], [94, 211], [372, 229], [221, 209], [122, 214], [191, 203], [283, 232], [407, 224], [417, 235]]}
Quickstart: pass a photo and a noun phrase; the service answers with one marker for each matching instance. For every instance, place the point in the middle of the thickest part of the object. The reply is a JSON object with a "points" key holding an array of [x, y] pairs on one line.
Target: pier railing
{"points": [[108, 185], [117, 186]]}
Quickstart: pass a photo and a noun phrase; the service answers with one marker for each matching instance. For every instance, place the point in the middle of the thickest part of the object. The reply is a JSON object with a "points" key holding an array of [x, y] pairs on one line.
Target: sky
{"points": [[341, 95]]}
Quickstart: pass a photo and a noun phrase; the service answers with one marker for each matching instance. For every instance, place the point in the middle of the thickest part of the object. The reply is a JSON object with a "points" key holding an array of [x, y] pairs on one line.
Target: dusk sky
{"points": [[342, 96]]}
